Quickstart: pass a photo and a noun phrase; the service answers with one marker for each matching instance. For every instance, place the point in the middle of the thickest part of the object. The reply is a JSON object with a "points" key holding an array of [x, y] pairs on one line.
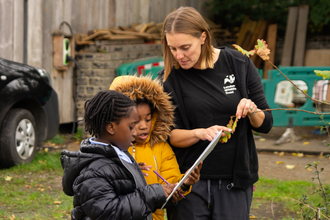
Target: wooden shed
{"points": [[27, 30]]}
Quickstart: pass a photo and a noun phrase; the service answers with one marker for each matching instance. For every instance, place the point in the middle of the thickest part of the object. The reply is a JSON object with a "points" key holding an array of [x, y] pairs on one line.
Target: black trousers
{"points": [[213, 199]]}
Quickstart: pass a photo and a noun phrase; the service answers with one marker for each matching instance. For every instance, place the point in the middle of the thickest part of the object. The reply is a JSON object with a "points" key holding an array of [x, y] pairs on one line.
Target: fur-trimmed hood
{"points": [[144, 87]]}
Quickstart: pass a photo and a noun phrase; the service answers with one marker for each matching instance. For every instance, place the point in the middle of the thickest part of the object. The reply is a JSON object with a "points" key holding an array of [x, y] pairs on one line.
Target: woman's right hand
{"points": [[209, 133]]}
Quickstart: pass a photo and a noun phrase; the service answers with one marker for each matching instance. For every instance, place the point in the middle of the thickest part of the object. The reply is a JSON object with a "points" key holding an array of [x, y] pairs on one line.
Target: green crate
{"points": [[299, 118], [132, 68]]}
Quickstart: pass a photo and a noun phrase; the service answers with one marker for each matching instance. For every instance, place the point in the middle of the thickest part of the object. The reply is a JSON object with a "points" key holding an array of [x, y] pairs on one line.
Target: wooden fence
{"points": [[26, 28]]}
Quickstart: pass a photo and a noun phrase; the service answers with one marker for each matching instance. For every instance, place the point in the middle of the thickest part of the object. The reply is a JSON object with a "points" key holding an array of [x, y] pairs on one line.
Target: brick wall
{"points": [[98, 66]]}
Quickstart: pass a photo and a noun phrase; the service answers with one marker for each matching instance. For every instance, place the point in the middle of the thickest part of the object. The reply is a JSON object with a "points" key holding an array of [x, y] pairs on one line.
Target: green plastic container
{"points": [[149, 66], [306, 78]]}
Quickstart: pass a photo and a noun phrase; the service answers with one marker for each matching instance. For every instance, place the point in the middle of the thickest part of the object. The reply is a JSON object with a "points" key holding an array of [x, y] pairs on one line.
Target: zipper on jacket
{"points": [[156, 163], [134, 152]]}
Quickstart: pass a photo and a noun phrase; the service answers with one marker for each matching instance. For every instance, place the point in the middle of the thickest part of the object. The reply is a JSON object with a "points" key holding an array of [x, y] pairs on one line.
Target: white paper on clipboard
{"points": [[205, 153]]}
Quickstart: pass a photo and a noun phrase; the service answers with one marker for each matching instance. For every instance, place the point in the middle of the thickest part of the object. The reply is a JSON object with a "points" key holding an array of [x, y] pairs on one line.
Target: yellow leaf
{"points": [[294, 154], [46, 149], [244, 52], [281, 154], [252, 217], [8, 178], [290, 167], [309, 169], [57, 202], [306, 143], [262, 139], [279, 162], [12, 217], [275, 152], [300, 154]]}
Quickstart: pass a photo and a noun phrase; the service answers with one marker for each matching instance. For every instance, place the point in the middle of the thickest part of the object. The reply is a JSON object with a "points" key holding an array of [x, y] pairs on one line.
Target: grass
{"points": [[58, 139], [284, 194], [34, 191]]}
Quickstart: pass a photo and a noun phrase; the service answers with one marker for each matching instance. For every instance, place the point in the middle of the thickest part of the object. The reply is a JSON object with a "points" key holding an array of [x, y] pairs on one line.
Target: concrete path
{"points": [[311, 142]]}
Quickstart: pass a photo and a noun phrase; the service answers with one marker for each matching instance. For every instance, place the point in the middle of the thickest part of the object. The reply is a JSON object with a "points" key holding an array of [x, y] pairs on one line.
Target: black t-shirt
{"points": [[210, 97]]}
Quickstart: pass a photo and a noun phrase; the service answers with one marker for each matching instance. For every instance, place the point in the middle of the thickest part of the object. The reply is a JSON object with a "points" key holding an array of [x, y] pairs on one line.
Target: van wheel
{"points": [[18, 138]]}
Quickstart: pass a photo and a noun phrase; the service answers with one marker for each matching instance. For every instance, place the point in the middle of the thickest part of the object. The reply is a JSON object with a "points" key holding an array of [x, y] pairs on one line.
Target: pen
{"points": [[166, 181]]}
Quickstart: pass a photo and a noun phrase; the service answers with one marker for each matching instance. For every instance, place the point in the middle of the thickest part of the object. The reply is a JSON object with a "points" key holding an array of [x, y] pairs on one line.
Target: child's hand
{"points": [[194, 176], [168, 190], [143, 166]]}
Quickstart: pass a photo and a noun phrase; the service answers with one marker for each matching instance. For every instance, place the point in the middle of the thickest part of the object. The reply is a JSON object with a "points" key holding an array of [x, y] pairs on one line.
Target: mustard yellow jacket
{"points": [[155, 151]]}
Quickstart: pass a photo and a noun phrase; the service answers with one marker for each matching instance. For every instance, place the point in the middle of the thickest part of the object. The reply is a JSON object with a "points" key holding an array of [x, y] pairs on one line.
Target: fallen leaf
{"points": [[275, 152], [8, 178], [28, 186], [309, 169], [57, 202], [294, 154], [252, 217], [281, 154], [262, 139], [300, 154], [279, 162], [306, 143], [290, 167], [46, 149], [12, 217]]}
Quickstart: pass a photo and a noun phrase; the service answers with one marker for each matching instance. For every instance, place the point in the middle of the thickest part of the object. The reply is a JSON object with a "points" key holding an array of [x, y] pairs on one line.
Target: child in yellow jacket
{"points": [[150, 149]]}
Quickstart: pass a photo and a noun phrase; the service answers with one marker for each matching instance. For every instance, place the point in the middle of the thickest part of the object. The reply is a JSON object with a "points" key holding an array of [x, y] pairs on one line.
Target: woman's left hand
{"points": [[246, 107]]}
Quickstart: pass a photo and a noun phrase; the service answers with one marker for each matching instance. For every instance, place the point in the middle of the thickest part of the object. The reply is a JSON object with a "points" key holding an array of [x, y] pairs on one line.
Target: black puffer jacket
{"points": [[103, 188]]}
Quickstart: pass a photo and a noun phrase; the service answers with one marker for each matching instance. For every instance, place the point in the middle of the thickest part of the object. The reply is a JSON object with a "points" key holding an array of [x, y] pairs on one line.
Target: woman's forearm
{"points": [[183, 138], [257, 119]]}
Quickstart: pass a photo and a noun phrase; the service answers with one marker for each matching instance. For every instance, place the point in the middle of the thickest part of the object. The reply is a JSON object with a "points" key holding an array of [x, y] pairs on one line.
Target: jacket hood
{"points": [[74, 162], [144, 87]]}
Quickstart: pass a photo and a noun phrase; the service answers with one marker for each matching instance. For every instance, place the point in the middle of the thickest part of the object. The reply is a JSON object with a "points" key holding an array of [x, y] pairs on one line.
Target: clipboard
{"points": [[205, 153]]}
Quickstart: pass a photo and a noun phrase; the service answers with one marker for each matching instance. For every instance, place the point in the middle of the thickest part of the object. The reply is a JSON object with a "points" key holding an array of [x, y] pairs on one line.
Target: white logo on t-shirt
{"points": [[230, 88], [229, 79]]}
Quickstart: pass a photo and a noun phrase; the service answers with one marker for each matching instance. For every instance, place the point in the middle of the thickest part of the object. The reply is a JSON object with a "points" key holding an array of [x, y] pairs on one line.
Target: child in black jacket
{"points": [[103, 177]]}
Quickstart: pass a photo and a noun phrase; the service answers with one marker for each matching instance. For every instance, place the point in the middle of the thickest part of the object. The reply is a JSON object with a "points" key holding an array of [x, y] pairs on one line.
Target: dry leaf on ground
{"points": [[290, 167]]}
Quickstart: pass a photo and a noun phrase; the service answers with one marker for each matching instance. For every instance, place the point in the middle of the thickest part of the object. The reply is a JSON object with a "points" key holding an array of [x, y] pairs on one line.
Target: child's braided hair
{"points": [[105, 107]]}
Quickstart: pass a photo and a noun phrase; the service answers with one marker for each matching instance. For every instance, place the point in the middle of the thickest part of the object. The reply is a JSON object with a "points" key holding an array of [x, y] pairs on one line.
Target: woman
{"points": [[208, 85]]}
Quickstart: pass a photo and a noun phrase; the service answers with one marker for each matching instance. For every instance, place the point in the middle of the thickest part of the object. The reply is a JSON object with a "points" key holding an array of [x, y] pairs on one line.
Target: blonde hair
{"points": [[187, 20]]}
